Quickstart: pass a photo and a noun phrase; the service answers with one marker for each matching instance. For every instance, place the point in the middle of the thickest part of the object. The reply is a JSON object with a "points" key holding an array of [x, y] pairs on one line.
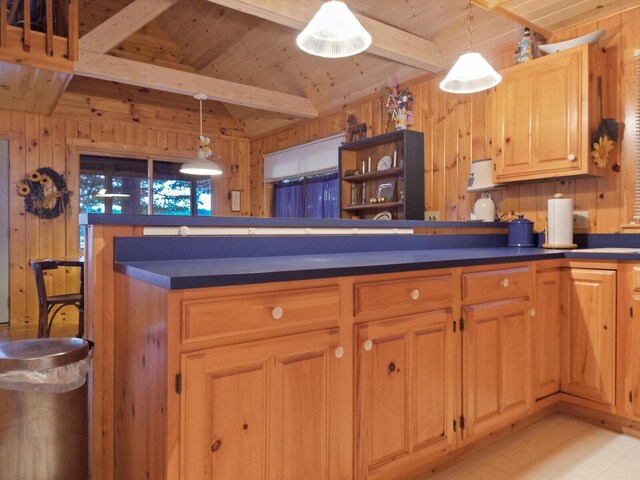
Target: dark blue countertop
{"points": [[175, 262], [196, 273]]}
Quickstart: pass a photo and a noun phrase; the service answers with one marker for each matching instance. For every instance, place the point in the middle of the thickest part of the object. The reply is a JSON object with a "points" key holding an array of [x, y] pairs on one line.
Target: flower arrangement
{"points": [[45, 193], [399, 105]]}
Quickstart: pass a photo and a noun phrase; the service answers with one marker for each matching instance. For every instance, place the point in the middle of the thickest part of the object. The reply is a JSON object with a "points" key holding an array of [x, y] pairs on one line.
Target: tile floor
{"points": [[558, 448]]}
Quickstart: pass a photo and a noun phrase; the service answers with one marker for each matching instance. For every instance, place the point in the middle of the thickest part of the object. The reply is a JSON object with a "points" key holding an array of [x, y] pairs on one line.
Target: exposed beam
{"points": [[108, 67], [123, 24], [388, 42], [496, 6]]}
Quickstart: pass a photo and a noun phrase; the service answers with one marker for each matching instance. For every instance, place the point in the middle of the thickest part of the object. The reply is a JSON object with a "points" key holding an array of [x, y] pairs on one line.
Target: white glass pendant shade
{"points": [[334, 32], [201, 166], [470, 74]]}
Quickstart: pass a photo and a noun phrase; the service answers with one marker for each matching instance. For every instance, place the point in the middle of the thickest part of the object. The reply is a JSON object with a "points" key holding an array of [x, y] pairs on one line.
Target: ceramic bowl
{"points": [[592, 37]]}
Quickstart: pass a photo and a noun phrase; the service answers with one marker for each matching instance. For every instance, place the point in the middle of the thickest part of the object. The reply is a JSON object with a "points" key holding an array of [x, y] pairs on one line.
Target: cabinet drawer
{"points": [[402, 297], [486, 286], [250, 313]]}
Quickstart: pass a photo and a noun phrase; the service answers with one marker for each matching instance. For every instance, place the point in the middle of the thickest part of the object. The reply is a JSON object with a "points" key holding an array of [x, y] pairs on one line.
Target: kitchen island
{"points": [[325, 356]]}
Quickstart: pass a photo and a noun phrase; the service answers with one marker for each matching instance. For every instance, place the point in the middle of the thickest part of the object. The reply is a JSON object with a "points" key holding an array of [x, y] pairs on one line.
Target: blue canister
{"points": [[521, 233]]}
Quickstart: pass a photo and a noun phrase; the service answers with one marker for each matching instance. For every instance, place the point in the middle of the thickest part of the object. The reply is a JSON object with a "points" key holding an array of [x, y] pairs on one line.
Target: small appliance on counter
{"points": [[484, 208], [480, 181], [521, 233], [559, 231]]}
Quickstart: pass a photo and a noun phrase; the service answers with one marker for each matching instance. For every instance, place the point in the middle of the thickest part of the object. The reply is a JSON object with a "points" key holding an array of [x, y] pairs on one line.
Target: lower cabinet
{"points": [[629, 338], [264, 410], [406, 380], [496, 373], [545, 334], [589, 334]]}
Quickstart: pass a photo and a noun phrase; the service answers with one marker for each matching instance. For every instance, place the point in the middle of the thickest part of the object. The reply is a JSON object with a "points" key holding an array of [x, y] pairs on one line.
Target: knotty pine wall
{"points": [[84, 124], [456, 129]]}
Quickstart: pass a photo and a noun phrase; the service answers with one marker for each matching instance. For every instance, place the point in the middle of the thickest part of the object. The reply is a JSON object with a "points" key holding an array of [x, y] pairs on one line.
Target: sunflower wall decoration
{"points": [[45, 193]]}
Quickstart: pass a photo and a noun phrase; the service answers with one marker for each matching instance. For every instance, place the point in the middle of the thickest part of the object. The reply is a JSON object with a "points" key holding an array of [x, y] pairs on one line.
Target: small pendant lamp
{"points": [[334, 32], [471, 73], [201, 165]]}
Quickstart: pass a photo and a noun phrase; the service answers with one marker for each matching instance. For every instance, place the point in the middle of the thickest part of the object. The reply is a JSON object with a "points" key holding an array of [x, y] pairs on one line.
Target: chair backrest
{"points": [[40, 266]]}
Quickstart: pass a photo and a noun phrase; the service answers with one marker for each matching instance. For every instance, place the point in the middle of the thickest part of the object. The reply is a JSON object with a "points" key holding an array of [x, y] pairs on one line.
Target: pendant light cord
{"points": [[469, 28], [201, 118]]}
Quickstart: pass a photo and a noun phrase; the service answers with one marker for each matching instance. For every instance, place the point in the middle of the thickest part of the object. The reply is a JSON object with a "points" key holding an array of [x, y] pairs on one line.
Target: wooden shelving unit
{"points": [[398, 189]]}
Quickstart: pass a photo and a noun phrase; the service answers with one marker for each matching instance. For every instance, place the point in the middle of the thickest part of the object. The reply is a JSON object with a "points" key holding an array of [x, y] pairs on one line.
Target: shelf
{"points": [[373, 206], [363, 177]]}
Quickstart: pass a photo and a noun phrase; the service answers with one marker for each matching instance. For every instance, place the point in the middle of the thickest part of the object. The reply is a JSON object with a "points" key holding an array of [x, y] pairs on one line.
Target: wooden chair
{"points": [[47, 303]]}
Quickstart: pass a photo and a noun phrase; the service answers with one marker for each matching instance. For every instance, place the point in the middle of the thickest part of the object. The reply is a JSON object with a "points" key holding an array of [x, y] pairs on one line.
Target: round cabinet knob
{"points": [[571, 157], [505, 283], [415, 294], [339, 352], [367, 345], [183, 231], [532, 312], [277, 313]]}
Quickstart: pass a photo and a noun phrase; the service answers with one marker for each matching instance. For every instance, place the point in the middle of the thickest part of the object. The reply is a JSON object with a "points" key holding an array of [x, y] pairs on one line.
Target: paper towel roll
{"points": [[560, 226]]}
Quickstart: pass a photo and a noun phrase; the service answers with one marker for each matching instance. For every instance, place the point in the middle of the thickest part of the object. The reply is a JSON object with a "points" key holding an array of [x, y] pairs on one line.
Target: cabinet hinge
{"points": [[462, 324], [462, 422], [454, 326], [455, 426], [630, 396], [179, 383]]}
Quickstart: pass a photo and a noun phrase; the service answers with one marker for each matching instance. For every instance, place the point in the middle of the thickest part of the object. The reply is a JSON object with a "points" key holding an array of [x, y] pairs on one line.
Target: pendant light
{"points": [[334, 32], [471, 73], [202, 165]]}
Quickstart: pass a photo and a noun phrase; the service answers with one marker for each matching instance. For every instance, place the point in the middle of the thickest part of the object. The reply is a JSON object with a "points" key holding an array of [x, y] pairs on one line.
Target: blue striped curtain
{"points": [[321, 196], [288, 201]]}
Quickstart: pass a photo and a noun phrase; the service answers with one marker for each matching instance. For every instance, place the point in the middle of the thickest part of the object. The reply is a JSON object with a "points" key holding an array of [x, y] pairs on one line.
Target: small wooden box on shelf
{"points": [[383, 174]]}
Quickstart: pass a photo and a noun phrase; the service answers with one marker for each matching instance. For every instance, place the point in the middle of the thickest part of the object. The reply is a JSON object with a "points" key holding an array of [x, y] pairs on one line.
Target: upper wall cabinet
{"points": [[545, 111]]}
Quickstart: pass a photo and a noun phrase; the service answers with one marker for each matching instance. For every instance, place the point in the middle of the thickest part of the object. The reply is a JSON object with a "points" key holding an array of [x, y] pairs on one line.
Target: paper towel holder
{"points": [[546, 232]]}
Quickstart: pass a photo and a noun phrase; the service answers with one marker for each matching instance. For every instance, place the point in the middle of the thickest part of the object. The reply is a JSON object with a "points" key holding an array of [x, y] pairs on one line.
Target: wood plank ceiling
{"points": [[202, 37]]}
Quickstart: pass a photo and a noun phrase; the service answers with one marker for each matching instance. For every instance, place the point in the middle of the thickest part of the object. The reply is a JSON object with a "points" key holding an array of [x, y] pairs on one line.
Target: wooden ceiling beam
{"points": [[497, 6], [387, 41], [108, 67], [123, 24]]}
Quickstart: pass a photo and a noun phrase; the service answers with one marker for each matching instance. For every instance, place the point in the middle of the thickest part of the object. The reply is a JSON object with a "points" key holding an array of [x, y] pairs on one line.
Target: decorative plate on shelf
{"points": [[384, 163], [386, 215], [592, 37]]}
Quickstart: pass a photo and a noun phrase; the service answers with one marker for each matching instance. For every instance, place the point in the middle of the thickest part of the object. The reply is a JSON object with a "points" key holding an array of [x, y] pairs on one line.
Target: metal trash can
{"points": [[43, 409]]}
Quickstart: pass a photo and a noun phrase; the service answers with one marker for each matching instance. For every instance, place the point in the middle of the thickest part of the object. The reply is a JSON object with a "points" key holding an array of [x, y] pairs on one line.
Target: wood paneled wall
{"points": [[84, 124], [456, 129]]}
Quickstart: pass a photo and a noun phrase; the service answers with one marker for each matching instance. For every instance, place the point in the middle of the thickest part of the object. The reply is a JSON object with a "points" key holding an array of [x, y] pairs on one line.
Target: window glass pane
{"points": [[203, 197], [137, 199], [171, 197], [90, 184]]}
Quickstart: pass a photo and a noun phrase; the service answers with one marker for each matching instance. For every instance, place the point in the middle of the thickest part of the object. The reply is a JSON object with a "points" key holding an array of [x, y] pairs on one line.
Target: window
{"points": [[124, 186], [308, 197]]}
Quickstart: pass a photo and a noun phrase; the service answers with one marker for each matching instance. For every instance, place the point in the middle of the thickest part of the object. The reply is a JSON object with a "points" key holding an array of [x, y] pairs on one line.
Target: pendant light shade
{"points": [[334, 32], [201, 165], [471, 73]]}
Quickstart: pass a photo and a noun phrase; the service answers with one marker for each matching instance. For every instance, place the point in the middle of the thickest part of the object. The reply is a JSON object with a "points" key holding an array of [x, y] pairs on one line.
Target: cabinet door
{"points": [[629, 336], [405, 393], [545, 334], [589, 334], [265, 410], [496, 375], [538, 118]]}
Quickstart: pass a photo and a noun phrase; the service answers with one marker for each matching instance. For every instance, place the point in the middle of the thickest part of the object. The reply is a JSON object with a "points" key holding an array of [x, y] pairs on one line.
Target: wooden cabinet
{"points": [[383, 174], [545, 111], [545, 334], [496, 372], [629, 338], [589, 334], [405, 395], [264, 410]]}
